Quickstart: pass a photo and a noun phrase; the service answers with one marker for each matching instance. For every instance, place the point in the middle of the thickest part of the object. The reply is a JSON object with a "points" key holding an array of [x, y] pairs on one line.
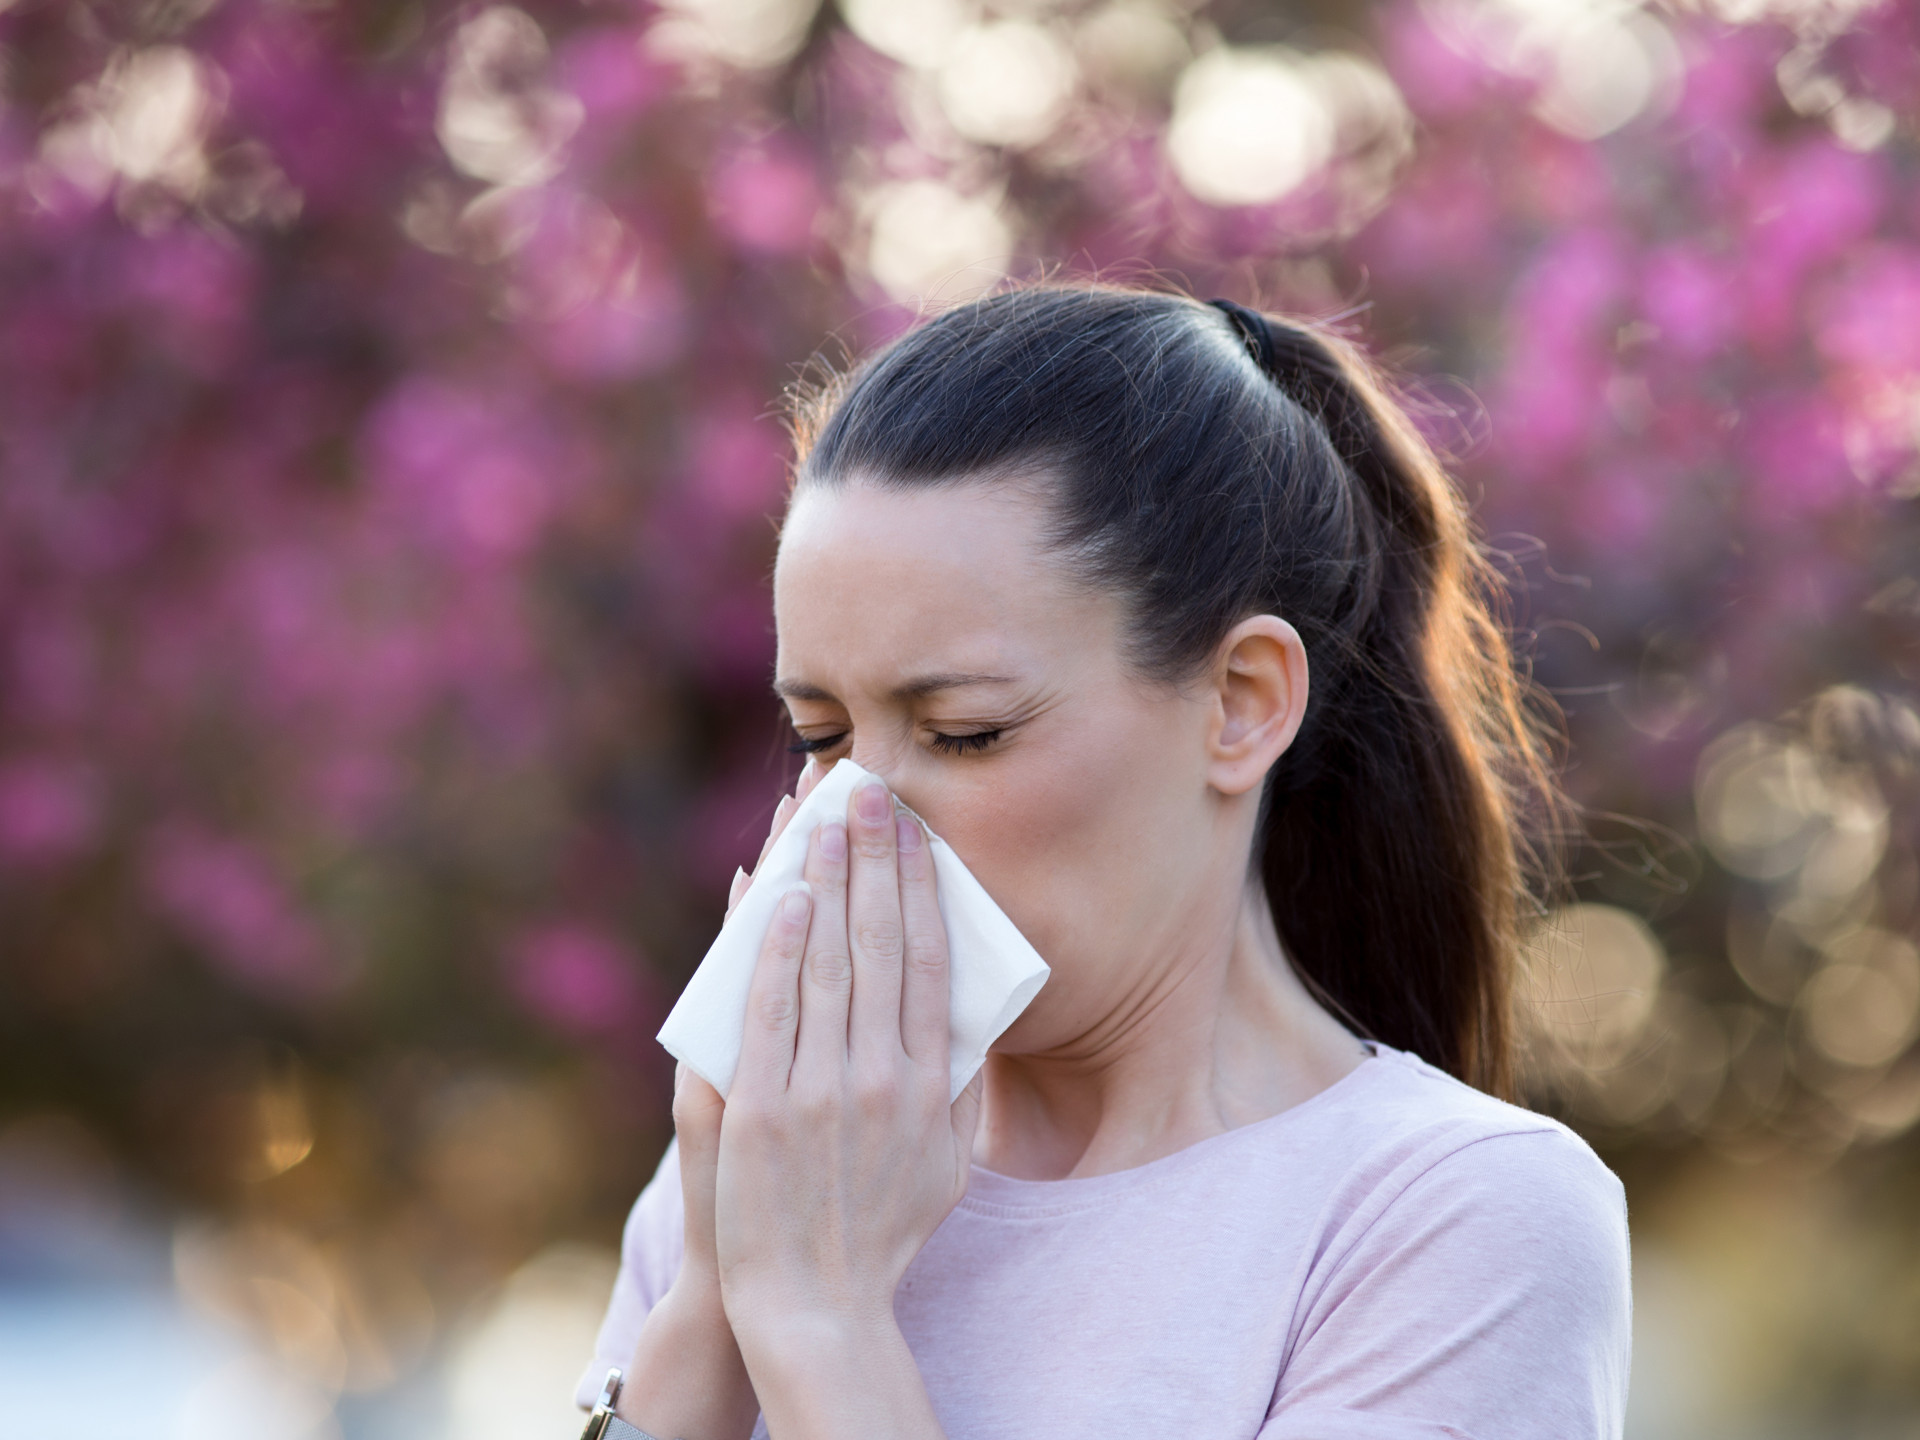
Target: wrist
{"points": [[786, 1334], [687, 1377], [694, 1297]]}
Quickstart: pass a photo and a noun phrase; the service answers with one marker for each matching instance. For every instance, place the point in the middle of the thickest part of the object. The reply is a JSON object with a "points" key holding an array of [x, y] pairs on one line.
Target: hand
{"points": [[687, 1377], [839, 1152], [697, 1106]]}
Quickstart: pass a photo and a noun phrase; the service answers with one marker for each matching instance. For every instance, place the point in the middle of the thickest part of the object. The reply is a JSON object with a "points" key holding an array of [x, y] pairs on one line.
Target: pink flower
{"points": [[578, 979], [1794, 445], [1870, 319], [738, 460], [1685, 294], [49, 810], [225, 896], [765, 199]]}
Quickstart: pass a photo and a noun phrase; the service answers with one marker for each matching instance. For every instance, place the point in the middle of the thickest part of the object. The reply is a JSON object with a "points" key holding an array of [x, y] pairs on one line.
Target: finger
{"points": [[965, 1113], [782, 813], [826, 976], [697, 1108], [773, 998], [734, 891], [924, 999], [873, 927], [810, 774]]}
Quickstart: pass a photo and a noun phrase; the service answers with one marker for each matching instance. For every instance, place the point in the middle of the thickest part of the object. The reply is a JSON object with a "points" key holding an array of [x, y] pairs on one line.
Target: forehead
{"points": [[873, 584]]}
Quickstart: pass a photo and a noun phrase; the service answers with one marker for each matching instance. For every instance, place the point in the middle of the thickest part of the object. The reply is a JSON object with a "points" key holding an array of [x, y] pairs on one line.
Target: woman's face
{"points": [[927, 634]]}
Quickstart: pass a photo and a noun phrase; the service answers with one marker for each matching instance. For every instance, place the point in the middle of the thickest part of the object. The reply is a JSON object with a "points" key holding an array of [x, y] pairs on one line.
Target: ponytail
{"points": [[1391, 845], [1209, 471]]}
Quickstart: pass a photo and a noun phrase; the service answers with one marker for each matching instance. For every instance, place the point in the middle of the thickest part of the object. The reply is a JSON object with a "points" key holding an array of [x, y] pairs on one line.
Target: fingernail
{"points": [[872, 803], [806, 770], [906, 832], [833, 840], [795, 903], [739, 875]]}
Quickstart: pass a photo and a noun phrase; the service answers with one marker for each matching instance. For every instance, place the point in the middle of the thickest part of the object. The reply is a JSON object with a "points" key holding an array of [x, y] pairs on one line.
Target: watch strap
{"points": [[603, 1424]]}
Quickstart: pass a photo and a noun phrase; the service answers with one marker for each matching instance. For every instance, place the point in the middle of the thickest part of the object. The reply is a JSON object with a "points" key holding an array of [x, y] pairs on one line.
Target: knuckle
{"points": [[874, 1093], [927, 955], [777, 1009], [831, 969], [879, 937], [813, 1104], [870, 844]]}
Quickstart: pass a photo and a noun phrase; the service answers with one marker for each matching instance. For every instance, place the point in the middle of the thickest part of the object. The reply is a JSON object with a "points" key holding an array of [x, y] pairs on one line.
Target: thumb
{"points": [[966, 1114], [697, 1108]]}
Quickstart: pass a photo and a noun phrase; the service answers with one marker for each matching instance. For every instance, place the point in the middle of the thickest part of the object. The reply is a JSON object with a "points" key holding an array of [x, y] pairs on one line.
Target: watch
{"points": [[603, 1424]]}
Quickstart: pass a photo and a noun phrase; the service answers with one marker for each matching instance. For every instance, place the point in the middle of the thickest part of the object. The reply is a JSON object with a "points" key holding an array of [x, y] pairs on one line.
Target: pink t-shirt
{"points": [[1398, 1258]]}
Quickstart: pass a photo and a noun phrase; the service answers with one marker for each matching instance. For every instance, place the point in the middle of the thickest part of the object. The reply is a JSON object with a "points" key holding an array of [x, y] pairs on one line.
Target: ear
{"points": [[1259, 692]]}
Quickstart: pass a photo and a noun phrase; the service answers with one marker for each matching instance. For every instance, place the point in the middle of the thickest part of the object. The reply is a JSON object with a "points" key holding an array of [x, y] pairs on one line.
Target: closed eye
{"points": [[963, 744], [805, 746]]}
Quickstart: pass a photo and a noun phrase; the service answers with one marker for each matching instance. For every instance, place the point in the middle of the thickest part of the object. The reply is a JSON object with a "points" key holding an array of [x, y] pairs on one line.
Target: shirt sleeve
{"points": [[650, 1249], [1488, 1300]]}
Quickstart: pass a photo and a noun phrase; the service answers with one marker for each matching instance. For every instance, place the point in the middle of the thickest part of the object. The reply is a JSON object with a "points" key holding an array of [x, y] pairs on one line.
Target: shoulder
{"points": [[1438, 1166], [1465, 1241], [1412, 1118]]}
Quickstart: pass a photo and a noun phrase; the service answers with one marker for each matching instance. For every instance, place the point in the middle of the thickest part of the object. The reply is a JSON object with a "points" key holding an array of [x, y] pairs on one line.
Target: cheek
{"points": [[1062, 834]]}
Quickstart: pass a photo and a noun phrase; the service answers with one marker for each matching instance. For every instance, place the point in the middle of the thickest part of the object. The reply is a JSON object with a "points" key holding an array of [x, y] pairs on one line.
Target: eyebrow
{"points": [[915, 689]]}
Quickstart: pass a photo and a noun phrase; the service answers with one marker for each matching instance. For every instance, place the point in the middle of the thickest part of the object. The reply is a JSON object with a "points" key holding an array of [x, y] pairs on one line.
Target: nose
{"points": [[887, 763]]}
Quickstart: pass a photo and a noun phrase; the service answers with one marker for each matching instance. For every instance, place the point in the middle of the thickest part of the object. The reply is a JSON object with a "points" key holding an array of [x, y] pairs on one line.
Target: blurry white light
{"points": [[1863, 1007], [1132, 45], [1247, 127], [1832, 16], [1765, 802], [146, 118], [1605, 70], [498, 121], [748, 34], [1846, 855], [512, 1376], [915, 32], [1861, 124], [927, 239], [1858, 1015], [255, 1397], [1598, 63], [1006, 83], [156, 106], [1595, 978]]}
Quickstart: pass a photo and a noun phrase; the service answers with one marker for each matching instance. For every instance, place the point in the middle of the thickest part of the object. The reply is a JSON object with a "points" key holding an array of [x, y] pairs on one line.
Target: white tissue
{"points": [[993, 971]]}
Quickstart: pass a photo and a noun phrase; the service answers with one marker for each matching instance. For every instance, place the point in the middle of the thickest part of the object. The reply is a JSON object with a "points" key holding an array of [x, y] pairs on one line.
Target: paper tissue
{"points": [[993, 971]]}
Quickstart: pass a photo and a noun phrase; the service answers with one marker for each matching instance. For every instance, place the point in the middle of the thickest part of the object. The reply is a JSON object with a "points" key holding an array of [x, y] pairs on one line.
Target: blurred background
{"points": [[388, 441]]}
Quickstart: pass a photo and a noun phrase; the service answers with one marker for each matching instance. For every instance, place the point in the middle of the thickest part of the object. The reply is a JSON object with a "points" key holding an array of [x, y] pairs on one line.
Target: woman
{"points": [[1161, 614]]}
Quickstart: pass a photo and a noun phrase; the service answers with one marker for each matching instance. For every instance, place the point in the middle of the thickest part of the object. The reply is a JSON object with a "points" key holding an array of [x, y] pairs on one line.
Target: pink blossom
{"points": [[1439, 80], [578, 979], [1793, 443], [1870, 318], [225, 896], [738, 459], [1685, 294], [765, 199], [612, 74], [49, 810]]}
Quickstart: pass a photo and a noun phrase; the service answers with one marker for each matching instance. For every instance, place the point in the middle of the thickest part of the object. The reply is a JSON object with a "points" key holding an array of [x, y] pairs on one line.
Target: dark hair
{"points": [[1209, 464]]}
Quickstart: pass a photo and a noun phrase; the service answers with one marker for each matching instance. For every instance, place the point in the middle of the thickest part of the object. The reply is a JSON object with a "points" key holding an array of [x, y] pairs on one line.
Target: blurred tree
{"points": [[387, 441]]}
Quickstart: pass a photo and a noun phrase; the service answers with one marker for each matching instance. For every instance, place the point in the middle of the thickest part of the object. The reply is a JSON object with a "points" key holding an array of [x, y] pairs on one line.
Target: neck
{"points": [[1224, 1036]]}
